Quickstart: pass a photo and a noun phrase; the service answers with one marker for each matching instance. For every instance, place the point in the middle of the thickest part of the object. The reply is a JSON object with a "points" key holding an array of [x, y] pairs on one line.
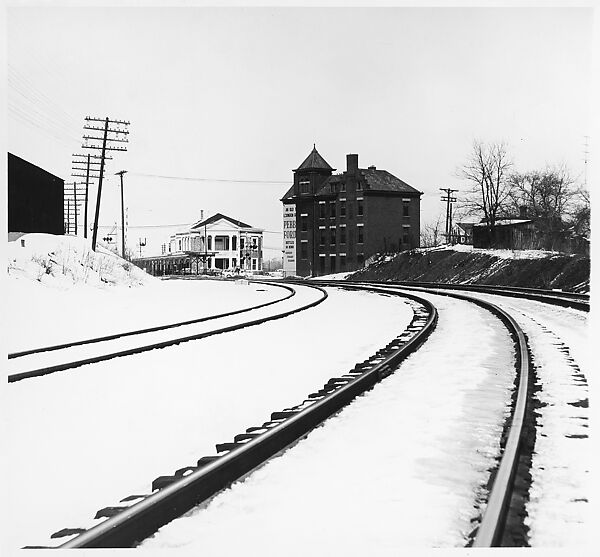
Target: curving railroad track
{"points": [[41, 361], [136, 516]]}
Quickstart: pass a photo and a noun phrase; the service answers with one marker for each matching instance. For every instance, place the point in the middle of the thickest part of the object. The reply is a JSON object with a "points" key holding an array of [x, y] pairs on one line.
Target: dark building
{"points": [[35, 198], [343, 219]]}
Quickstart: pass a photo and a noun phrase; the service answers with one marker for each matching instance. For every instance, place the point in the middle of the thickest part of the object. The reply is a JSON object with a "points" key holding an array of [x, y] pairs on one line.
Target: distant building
{"points": [[519, 233], [35, 198], [215, 244], [334, 222]]}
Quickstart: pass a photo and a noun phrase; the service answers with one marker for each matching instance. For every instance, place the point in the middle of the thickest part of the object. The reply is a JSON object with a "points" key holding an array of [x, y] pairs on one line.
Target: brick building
{"points": [[335, 222]]}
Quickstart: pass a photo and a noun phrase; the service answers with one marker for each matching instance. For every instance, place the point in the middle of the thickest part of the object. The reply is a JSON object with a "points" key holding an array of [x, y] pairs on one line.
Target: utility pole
{"points": [[107, 145], [90, 169], [120, 173], [449, 200], [72, 206]]}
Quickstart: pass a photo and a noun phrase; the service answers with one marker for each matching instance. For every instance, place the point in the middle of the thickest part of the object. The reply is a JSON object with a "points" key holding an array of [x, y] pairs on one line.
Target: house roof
{"points": [[218, 216], [505, 222], [376, 180], [314, 161], [382, 180]]}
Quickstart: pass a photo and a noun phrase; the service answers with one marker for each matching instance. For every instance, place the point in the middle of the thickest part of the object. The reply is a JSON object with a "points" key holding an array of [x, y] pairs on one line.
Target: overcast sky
{"points": [[243, 93]]}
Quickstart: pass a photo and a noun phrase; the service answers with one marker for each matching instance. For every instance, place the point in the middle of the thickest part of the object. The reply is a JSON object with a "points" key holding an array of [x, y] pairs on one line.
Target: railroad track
{"points": [[139, 516], [501, 509], [51, 359], [136, 516], [554, 297]]}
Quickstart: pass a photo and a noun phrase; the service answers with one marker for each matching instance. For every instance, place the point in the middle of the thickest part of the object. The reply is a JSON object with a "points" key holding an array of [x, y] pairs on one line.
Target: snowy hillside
{"points": [[64, 261], [468, 265]]}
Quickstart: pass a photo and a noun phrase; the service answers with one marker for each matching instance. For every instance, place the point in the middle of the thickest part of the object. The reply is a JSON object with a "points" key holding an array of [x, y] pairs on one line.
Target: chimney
{"points": [[352, 164], [201, 214]]}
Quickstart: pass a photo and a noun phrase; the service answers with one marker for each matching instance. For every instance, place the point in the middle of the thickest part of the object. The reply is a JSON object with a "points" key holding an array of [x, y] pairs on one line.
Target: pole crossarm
{"points": [[86, 155], [110, 120], [102, 129], [107, 139], [105, 148]]}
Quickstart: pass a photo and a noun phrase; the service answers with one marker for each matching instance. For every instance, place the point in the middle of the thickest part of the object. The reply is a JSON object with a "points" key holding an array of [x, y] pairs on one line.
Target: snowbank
{"points": [[64, 261]]}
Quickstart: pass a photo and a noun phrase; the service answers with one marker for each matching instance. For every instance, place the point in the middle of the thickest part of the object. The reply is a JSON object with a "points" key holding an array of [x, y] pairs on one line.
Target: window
{"points": [[322, 236], [360, 258], [241, 243], [253, 264], [406, 234], [342, 262], [179, 245], [361, 234], [210, 243], [303, 250], [332, 264], [222, 243], [234, 244], [359, 186], [343, 235], [342, 208], [333, 188], [304, 186], [405, 209], [322, 264], [343, 186], [332, 209], [360, 208], [234, 262], [304, 223], [332, 236], [321, 210]]}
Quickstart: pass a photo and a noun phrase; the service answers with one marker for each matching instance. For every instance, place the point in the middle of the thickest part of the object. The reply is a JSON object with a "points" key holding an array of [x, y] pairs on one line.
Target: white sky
{"points": [[243, 93]]}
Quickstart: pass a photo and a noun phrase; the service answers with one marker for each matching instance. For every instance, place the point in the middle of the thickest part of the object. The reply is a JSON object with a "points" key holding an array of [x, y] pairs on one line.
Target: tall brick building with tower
{"points": [[335, 222]]}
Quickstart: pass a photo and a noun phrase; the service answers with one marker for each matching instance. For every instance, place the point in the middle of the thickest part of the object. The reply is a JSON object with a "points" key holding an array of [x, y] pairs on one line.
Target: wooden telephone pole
{"points": [[110, 136], [85, 166], [120, 173], [449, 200]]}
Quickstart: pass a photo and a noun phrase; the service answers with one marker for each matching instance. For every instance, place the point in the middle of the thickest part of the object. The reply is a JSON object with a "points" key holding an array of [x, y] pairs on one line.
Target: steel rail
{"points": [[564, 299], [132, 524], [163, 344], [12, 355], [491, 528]]}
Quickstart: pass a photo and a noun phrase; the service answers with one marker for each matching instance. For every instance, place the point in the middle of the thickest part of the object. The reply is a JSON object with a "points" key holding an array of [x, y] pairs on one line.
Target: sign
{"points": [[289, 240]]}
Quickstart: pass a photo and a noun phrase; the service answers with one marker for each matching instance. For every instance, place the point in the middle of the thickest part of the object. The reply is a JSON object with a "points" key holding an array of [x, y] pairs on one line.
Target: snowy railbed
{"points": [[559, 512], [108, 429], [403, 466]]}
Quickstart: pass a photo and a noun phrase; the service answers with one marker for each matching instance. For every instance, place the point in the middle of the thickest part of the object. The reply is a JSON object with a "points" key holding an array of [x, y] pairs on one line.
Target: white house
{"points": [[220, 242]]}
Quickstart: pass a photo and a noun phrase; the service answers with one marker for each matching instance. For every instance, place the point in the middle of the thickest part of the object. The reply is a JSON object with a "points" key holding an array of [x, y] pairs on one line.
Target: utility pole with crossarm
{"points": [[110, 136]]}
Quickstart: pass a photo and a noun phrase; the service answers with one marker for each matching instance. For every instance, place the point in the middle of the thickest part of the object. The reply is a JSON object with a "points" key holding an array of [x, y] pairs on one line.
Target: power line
{"points": [[194, 179]]}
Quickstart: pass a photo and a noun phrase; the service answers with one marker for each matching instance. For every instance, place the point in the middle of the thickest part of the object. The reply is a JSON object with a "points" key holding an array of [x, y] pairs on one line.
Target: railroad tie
{"points": [[107, 512], [68, 532]]}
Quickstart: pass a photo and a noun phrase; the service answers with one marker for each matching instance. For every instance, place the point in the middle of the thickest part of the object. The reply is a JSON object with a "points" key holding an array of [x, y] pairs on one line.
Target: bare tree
{"points": [[548, 193], [487, 171], [432, 234], [579, 217]]}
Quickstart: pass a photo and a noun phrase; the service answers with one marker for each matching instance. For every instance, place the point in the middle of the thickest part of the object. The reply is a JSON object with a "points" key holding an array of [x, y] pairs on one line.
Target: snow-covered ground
{"points": [[303, 296], [72, 302], [105, 431], [403, 466], [500, 253]]}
